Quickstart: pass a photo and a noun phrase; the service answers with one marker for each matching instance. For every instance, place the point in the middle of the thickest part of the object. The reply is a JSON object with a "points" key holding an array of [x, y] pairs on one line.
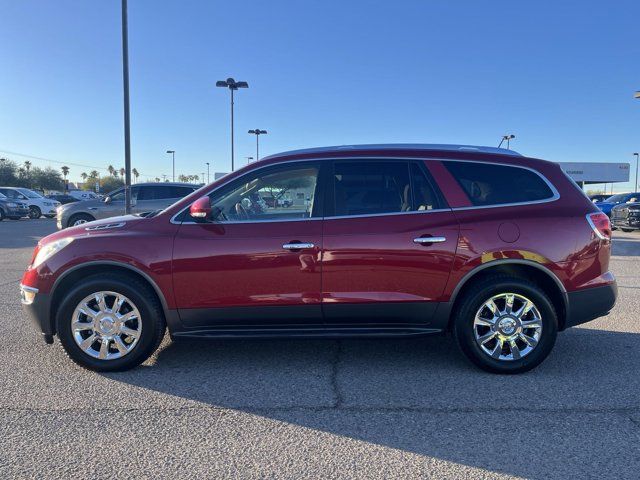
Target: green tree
{"points": [[112, 171], [8, 173], [109, 184], [46, 179], [135, 174]]}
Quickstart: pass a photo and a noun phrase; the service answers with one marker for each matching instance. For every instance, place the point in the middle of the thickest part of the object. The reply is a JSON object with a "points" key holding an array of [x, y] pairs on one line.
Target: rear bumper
{"points": [[36, 306], [590, 303]]}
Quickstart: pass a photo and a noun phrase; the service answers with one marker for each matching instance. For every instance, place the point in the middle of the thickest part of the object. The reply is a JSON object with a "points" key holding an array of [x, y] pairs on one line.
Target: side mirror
{"points": [[201, 209], [107, 200]]}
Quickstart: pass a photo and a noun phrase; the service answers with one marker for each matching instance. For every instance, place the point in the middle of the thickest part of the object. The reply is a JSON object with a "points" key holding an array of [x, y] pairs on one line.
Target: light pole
{"points": [[207, 173], [637, 159], [507, 138], [249, 160], [232, 85], [257, 132], [173, 162], [127, 138]]}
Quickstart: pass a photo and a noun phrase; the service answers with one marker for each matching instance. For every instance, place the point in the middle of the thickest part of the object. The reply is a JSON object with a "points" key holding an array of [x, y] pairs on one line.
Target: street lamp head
{"points": [[171, 151], [636, 95], [231, 84], [257, 131]]}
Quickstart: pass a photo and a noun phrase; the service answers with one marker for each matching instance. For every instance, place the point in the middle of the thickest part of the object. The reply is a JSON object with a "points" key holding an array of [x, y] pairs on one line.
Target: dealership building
{"points": [[586, 173]]}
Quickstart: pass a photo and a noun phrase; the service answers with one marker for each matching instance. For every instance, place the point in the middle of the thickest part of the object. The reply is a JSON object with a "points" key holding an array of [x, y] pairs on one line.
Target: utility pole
{"points": [[257, 132], [232, 85], [127, 138], [208, 181]]}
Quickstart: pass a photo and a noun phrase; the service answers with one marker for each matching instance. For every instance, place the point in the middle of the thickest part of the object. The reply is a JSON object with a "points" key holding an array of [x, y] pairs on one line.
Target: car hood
{"points": [[97, 227]]}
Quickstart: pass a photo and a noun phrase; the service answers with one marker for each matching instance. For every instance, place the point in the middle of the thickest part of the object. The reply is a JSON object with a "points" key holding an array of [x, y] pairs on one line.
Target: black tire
{"points": [[627, 230], [50, 216], [144, 297], [34, 212], [473, 300], [80, 216], [1, 214]]}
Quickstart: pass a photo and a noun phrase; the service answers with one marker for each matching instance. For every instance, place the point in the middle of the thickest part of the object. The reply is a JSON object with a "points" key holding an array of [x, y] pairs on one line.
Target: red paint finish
{"points": [[227, 265], [375, 259]]}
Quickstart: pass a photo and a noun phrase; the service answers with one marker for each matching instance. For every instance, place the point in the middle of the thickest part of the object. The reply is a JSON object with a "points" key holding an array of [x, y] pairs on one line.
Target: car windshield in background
{"points": [[619, 197], [29, 193]]}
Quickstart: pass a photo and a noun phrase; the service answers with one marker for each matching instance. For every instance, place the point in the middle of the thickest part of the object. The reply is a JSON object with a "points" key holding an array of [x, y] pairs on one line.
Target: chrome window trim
{"points": [[555, 197]]}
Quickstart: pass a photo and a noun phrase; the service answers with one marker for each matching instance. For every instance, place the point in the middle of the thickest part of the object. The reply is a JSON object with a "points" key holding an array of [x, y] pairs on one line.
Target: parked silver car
{"points": [[145, 197]]}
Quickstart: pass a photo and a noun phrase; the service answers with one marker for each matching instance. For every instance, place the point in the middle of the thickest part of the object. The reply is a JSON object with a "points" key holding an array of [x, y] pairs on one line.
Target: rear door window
{"points": [[378, 187], [491, 184]]}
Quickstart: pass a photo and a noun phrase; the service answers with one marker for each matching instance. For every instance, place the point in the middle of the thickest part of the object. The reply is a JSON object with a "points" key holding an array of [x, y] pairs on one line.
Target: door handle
{"points": [[297, 246], [428, 240]]}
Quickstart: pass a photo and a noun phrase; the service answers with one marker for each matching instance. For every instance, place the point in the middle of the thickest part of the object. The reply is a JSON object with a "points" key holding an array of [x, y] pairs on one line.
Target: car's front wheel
{"points": [[110, 322], [79, 219], [505, 324], [34, 212], [627, 230]]}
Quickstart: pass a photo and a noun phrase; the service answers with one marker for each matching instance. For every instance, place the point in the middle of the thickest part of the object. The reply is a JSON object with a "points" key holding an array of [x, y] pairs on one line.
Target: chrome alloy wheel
{"points": [[507, 326], [106, 325], [80, 221]]}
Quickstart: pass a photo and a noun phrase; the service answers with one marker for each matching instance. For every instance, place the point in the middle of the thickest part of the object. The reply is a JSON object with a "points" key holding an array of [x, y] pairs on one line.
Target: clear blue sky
{"points": [[560, 75]]}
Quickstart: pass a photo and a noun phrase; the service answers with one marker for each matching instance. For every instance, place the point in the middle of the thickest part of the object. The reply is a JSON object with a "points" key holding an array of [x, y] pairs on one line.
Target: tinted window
{"points": [[155, 192], [119, 195], [284, 194], [424, 198], [490, 184], [179, 192], [367, 188]]}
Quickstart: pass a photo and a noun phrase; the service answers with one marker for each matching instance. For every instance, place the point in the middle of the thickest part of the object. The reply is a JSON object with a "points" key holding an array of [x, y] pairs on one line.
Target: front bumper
{"points": [[590, 303], [37, 306], [628, 222]]}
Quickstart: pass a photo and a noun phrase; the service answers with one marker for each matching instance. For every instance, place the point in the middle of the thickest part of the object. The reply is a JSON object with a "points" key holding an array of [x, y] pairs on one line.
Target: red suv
{"points": [[501, 250]]}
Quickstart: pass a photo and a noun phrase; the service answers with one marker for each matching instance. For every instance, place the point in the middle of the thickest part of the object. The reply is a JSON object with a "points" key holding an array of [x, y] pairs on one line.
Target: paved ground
{"points": [[294, 409]]}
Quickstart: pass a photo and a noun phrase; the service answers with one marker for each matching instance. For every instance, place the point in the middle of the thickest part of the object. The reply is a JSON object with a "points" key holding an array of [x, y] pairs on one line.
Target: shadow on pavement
{"points": [[420, 395]]}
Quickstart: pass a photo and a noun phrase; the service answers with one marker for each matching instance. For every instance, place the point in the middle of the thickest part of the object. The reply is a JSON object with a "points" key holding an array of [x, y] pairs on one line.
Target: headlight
{"points": [[49, 204], [49, 250], [11, 204]]}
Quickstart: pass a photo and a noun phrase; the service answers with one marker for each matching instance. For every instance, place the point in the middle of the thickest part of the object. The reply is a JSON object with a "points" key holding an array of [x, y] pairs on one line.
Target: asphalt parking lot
{"points": [[320, 409]]}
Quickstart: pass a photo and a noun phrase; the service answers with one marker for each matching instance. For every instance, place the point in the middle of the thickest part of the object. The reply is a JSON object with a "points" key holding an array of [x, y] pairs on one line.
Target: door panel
{"points": [[223, 266], [254, 264], [378, 264], [375, 260]]}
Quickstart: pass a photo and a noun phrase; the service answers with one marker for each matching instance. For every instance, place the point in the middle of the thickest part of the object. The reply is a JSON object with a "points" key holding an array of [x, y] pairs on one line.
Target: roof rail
{"points": [[407, 146]]}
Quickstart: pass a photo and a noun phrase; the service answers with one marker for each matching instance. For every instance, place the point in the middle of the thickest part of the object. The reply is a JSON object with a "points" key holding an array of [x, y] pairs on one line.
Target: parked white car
{"points": [[38, 205]]}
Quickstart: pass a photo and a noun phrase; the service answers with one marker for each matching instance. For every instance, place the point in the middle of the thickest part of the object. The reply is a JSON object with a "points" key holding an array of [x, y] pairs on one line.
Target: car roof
{"points": [[171, 184], [400, 146]]}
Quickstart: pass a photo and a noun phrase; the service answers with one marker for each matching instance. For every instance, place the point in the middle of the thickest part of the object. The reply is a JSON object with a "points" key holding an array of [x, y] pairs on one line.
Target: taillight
{"points": [[600, 224], [35, 252]]}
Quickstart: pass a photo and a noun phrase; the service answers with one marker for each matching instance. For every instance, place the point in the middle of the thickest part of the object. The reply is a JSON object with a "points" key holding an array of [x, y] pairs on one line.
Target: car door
{"points": [[115, 205], [389, 242], [253, 264]]}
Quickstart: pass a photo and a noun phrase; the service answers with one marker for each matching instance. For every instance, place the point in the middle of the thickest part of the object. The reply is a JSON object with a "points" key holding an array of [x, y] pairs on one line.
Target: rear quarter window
{"points": [[490, 184]]}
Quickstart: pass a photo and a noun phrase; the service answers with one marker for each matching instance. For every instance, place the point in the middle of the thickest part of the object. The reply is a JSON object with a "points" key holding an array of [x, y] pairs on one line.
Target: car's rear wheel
{"points": [[505, 324], [34, 212], [110, 322], [627, 230], [79, 219]]}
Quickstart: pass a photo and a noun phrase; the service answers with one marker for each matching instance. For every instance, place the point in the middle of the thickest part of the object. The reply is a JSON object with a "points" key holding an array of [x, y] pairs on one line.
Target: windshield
{"points": [[617, 198], [29, 193]]}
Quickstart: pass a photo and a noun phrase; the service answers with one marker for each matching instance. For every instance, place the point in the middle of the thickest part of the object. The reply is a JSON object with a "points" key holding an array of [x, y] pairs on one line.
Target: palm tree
{"points": [[84, 176], [157, 180], [112, 171], [122, 172], [136, 174], [94, 174], [27, 165], [65, 172]]}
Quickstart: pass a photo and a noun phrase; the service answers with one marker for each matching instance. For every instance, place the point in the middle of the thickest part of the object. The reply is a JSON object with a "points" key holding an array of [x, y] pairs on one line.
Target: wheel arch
{"points": [[81, 212], [76, 273], [526, 269]]}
